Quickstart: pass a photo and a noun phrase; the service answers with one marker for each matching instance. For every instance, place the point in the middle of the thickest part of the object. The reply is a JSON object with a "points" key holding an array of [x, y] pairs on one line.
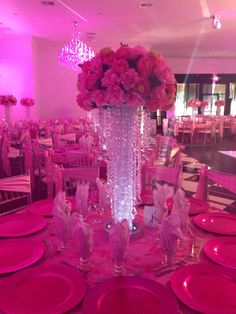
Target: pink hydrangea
{"points": [[129, 79], [115, 95], [110, 78]]}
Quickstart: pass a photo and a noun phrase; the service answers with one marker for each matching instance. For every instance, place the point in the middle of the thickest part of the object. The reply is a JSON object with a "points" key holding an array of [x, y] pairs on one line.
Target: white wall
{"points": [[203, 65], [55, 85], [29, 68], [16, 72]]}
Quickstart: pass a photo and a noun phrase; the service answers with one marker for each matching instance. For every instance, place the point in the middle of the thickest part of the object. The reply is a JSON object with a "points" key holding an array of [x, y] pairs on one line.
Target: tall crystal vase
{"points": [[27, 109], [8, 113], [121, 128]]}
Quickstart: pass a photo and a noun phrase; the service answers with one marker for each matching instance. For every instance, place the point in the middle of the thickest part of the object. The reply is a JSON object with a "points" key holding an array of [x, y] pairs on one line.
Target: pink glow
{"points": [[16, 73]]}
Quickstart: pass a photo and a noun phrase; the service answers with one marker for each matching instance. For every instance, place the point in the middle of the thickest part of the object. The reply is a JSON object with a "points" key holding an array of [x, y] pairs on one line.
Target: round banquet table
{"points": [[144, 254]]}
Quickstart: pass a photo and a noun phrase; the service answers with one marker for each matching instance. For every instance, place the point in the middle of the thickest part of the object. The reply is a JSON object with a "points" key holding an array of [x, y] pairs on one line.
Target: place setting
{"points": [[21, 224]]}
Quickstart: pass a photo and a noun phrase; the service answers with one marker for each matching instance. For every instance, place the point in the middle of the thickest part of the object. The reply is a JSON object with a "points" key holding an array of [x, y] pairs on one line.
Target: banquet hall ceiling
{"points": [[176, 28]]}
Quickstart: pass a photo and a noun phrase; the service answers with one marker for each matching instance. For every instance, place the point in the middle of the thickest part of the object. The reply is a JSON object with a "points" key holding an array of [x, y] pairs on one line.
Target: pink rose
{"points": [[98, 96], [115, 95], [159, 92], [84, 101], [134, 99], [170, 90], [110, 78], [124, 52], [165, 75], [129, 79], [145, 66], [86, 66], [120, 66], [138, 51], [96, 66], [143, 86], [91, 81], [107, 55]]}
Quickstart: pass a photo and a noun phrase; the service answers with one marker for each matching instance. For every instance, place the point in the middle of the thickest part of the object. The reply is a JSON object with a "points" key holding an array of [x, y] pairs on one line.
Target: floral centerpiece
{"points": [[120, 84], [27, 102], [220, 103], [134, 77], [8, 100], [204, 104], [194, 103]]}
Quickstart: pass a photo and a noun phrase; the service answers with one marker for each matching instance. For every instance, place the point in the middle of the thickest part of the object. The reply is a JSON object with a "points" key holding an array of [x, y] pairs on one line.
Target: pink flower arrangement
{"points": [[27, 102], [220, 103], [204, 104], [194, 103], [131, 76], [8, 100]]}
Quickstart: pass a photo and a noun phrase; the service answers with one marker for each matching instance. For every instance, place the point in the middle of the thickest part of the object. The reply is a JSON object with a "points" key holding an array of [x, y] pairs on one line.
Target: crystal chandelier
{"points": [[75, 53]]}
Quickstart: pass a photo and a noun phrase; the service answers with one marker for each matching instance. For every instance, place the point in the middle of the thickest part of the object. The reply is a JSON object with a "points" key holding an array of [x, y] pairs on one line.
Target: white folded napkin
{"points": [[181, 207], [119, 235], [83, 237], [170, 231], [104, 198], [160, 194], [81, 198]]}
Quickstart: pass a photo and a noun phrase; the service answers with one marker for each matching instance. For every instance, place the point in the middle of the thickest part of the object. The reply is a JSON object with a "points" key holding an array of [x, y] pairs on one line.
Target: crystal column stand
{"points": [[123, 147]]}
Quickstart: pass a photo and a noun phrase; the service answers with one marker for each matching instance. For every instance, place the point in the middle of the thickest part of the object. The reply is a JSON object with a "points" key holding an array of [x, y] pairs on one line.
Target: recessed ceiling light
{"points": [[90, 34], [143, 5], [48, 2]]}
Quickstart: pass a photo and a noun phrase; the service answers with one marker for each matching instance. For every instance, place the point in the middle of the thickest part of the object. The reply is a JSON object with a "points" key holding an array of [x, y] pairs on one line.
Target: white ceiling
{"points": [[176, 28]]}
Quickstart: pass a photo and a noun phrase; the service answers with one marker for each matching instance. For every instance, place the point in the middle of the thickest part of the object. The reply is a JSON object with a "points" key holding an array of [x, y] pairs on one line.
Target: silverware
{"points": [[169, 267], [70, 264], [200, 248], [48, 247], [198, 232], [169, 270]]}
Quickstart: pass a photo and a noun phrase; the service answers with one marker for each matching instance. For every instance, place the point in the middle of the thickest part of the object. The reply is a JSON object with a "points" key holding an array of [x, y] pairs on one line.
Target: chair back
{"points": [[151, 175], [164, 145], [71, 176], [223, 179], [4, 149], [15, 193]]}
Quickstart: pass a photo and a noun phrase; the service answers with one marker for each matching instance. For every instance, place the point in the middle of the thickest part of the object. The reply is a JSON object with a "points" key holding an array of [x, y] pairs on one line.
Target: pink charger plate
{"points": [[43, 207], [222, 251], [16, 254], [220, 223], [18, 225], [210, 289], [196, 206], [43, 289], [130, 295]]}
